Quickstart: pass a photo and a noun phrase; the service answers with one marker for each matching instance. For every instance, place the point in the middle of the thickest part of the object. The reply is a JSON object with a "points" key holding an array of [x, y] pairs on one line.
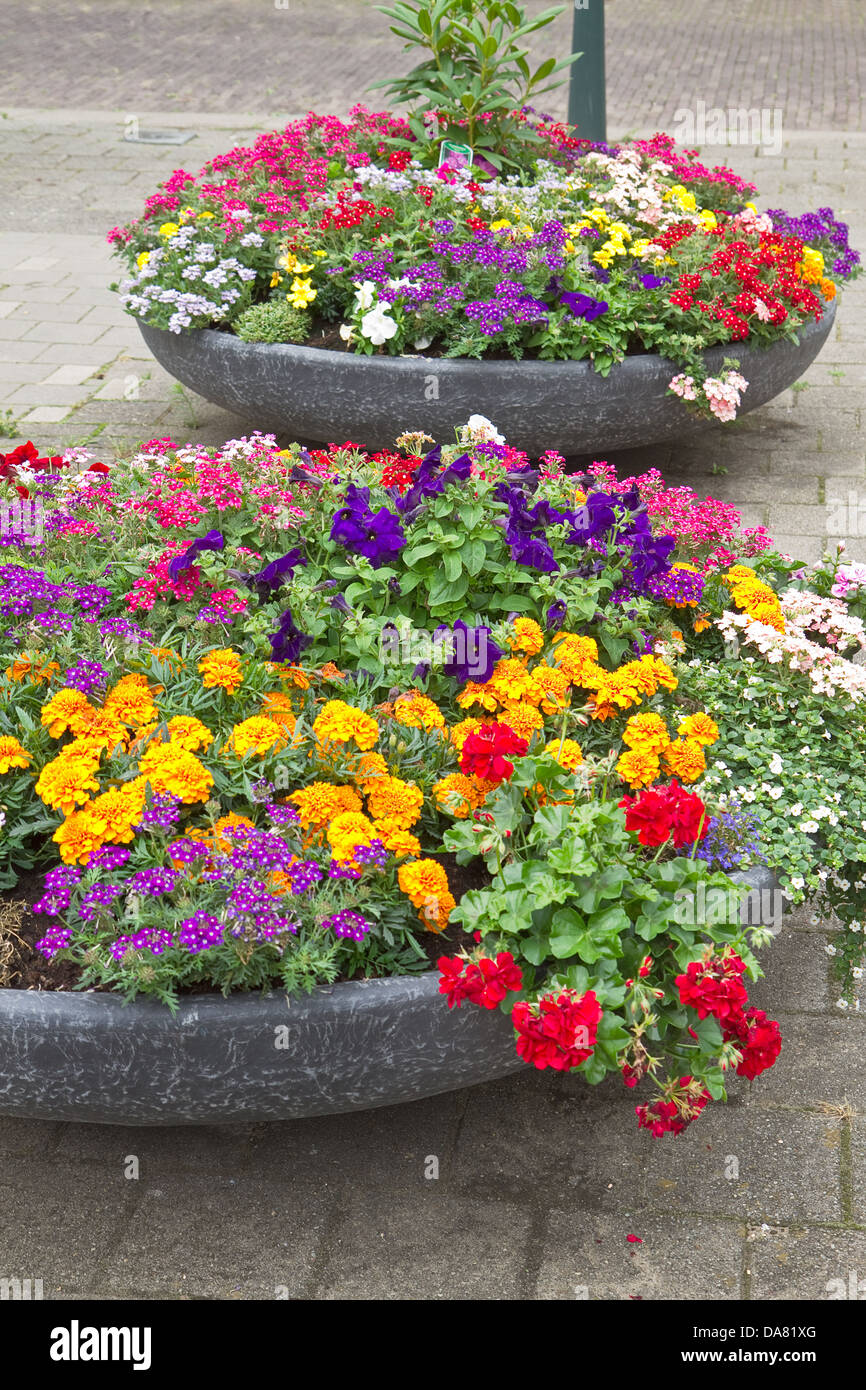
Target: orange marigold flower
{"points": [[458, 794], [367, 770], [523, 719], [646, 732], [347, 831], [400, 843], [475, 694], [341, 723], [278, 706], [572, 654], [415, 710], [222, 668], [553, 688], [117, 812], [256, 735], [685, 759], [528, 637], [701, 622], [321, 802], [37, 671], [425, 883], [699, 727], [79, 837], [566, 751], [459, 733], [329, 672], [638, 767], [185, 731], [511, 682], [60, 710], [398, 802], [12, 754]]}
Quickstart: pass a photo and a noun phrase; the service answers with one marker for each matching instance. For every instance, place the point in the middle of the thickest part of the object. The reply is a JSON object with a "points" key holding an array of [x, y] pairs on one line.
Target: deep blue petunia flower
{"points": [[214, 540], [473, 652], [274, 574], [583, 306], [555, 616], [376, 535], [654, 282], [288, 641]]}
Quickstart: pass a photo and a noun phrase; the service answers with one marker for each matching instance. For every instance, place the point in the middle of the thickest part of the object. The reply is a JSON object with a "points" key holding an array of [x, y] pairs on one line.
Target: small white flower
{"points": [[831, 950], [483, 430], [347, 333], [857, 972], [841, 1003], [776, 765], [797, 809], [366, 295], [798, 882]]}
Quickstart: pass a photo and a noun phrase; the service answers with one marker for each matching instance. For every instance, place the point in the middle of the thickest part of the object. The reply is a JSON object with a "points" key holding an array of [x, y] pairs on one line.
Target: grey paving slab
{"points": [[809, 1265]]}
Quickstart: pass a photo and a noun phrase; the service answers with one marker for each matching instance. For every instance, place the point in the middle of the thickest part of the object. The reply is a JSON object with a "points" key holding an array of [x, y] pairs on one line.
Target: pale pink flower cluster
{"points": [[829, 673], [684, 387], [723, 394], [807, 612], [752, 221]]}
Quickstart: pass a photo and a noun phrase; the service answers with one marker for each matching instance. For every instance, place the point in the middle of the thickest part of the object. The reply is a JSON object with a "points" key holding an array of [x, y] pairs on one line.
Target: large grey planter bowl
{"points": [[351, 1047], [314, 394]]}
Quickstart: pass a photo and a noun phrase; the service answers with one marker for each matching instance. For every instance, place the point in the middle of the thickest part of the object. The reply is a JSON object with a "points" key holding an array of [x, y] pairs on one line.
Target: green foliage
{"points": [[474, 64], [273, 322]]}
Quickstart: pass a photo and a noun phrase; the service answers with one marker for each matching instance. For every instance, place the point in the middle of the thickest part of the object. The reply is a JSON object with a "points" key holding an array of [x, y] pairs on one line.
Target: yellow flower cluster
{"points": [[753, 597], [650, 746], [417, 711], [459, 795], [341, 723], [170, 768], [108, 819], [258, 735], [425, 883], [12, 754], [221, 669], [394, 804]]}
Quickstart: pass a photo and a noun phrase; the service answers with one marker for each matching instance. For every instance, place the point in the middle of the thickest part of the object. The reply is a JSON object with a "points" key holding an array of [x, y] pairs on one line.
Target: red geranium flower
{"points": [[485, 982], [559, 1031], [714, 987], [663, 811], [485, 752]]}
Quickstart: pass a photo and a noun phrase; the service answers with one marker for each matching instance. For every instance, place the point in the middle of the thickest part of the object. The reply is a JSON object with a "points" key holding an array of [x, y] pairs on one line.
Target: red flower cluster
{"points": [[715, 987], [350, 212], [485, 982], [397, 471], [27, 456], [485, 752], [661, 811], [674, 1115], [559, 1031]]}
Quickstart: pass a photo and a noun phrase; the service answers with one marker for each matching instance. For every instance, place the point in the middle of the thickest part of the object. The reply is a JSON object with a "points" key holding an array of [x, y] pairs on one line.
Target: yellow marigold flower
{"points": [[222, 667], [256, 735], [400, 843], [646, 732], [566, 751], [347, 831], [415, 710], [12, 754], [552, 688], [701, 622], [79, 837], [321, 802], [523, 719], [117, 814], [171, 769], [511, 682], [638, 767], [398, 802], [341, 723], [185, 731], [699, 727], [528, 637], [60, 710], [737, 572], [458, 794], [142, 259], [131, 701], [475, 694], [99, 726], [425, 883], [573, 654], [685, 759], [66, 783], [459, 733], [168, 230]]}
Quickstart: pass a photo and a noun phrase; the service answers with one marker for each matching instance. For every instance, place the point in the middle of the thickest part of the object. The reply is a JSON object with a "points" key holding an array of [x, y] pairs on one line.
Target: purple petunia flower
{"points": [[376, 535], [288, 641], [214, 540], [583, 306]]}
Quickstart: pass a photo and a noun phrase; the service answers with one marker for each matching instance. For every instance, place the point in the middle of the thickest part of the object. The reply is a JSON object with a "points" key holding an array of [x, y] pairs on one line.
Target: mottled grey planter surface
{"points": [[314, 394], [86, 1056]]}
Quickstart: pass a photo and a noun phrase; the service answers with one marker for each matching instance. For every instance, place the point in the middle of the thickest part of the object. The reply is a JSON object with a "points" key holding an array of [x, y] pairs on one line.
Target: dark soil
{"points": [[23, 967]]}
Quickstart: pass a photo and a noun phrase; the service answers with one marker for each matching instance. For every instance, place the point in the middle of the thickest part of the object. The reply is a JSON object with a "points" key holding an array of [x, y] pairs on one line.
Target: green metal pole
{"points": [[586, 94]]}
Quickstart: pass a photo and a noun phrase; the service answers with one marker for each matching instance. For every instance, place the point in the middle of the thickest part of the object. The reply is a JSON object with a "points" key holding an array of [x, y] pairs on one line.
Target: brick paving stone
{"points": [[433, 1245], [218, 1237], [738, 1162], [820, 1062], [587, 1256], [807, 1265]]}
